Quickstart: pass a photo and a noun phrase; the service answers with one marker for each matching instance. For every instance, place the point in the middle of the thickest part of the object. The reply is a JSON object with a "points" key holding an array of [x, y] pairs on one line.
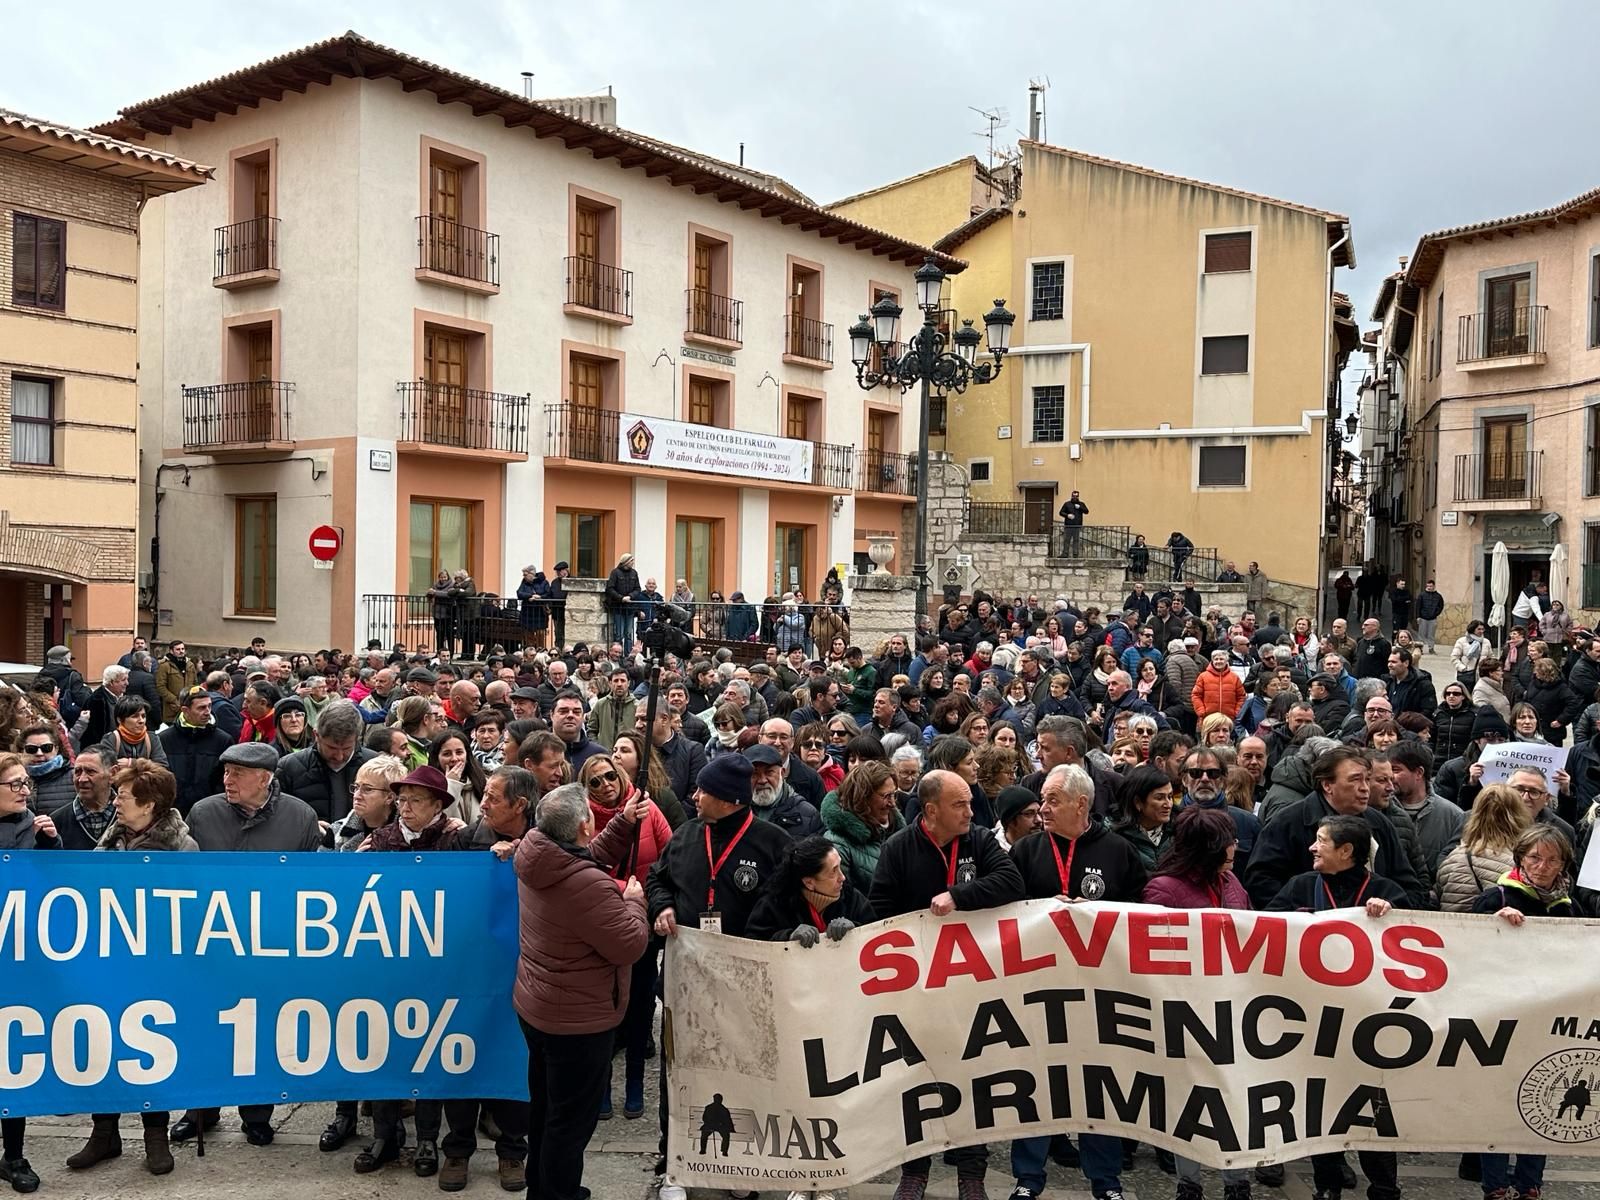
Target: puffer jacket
{"points": [[53, 789], [791, 813], [1452, 730], [1217, 692], [306, 775], [580, 937], [859, 846], [1406, 830], [1182, 672], [1291, 783], [1464, 876], [1169, 891]]}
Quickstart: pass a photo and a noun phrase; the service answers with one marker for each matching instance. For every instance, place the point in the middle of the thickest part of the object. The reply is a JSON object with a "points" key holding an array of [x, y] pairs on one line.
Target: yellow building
{"points": [[69, 454], [1174, 353]]}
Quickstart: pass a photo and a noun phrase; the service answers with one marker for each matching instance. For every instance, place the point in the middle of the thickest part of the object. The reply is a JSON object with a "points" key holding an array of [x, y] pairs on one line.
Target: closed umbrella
{"points": [[1558, 574], [1499, 587]]}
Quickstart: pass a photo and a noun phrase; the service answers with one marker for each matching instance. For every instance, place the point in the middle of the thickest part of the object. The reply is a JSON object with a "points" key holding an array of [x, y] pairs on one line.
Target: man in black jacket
{"points": [[102, 706], [779, 732], [888, 718], [142, 680], [943, 862], [1372, 652], [1076, 856], [621, 584], [773, 800], [896, 660], [1283, 847], [323, 774], [681, 758], [194, 747]]}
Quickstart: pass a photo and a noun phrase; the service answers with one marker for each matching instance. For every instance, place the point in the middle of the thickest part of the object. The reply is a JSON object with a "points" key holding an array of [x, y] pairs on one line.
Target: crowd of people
{"points": [[1004, 750]]}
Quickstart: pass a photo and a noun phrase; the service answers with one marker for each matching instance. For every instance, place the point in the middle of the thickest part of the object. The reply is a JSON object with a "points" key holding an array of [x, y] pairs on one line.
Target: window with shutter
{"points": [[1227, 252], [1225, 355], [1222, 466], [39, 261]]}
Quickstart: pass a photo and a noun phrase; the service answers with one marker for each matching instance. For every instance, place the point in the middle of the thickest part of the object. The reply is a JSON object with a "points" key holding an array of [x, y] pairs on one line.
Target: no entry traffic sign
{"points": [[325, 542]]}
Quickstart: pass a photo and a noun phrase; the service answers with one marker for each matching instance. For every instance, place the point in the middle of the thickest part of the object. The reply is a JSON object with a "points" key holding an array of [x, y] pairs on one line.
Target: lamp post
{"points": [[926, 360]]}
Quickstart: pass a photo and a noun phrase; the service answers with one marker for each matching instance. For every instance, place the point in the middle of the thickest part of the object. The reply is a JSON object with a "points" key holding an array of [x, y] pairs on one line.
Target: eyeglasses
{"points": [[368, 789], [813, 744], [1203, 772], [1529, 791], [17, 785], [47, 748], [839, 734], [598, 781]]}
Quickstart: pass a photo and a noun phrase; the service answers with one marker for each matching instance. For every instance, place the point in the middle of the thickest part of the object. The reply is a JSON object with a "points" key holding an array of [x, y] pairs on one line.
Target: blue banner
{"points": [[136, 981]]}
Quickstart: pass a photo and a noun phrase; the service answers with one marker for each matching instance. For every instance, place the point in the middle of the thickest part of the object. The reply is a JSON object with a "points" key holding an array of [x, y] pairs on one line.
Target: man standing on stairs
{"points": [[1072, 514]]}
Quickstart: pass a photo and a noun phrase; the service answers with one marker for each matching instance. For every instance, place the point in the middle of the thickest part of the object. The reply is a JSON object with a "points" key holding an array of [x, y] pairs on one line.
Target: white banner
{"points": [[657, 442], [1232, 1038], [1505, 757]]}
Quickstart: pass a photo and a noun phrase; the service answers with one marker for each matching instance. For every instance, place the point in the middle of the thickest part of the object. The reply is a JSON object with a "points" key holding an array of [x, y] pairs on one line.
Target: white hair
{"points": [[113, 673], [906, 753], [1141, 721], [1072, 779]]}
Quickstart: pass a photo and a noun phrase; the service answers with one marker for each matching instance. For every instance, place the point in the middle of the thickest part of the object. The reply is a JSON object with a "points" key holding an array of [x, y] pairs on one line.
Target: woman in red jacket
{"points": [[1218, 689], [630, 835], [580, 936]]}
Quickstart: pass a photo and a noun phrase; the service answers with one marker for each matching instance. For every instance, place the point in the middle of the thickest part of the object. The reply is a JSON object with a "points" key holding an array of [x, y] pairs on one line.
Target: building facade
{"points": [[1175, 354], [69, 406], [469, 330], [1486, 409]]}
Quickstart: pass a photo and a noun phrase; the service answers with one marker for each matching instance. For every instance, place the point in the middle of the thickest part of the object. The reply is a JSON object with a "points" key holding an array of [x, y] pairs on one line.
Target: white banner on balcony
{"points": [[658, 442]]}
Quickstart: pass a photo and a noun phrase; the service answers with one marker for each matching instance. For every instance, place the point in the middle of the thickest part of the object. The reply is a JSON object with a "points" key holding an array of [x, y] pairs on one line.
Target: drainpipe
{"points": [[1325, 451]]}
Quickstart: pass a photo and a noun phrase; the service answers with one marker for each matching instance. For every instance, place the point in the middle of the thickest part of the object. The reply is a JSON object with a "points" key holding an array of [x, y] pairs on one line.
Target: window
{"points": [[980, 470], [249, 242], [441, 538], [1225, 355], [1591, 451], [708, 401], [1505, 458], [938, 413], [33, 422], [712, 311], [883, 440], [595, 280], [581, 541], [1049, 291], [802, 417], [1221, 466], [1438, 336], [1591, 564], [1594, 300], [793, 563], [1227, 252], [1506, 315], [592, 392], [695, 553], [1050, 413], [809, 336], [255, 556], [38, 261]]}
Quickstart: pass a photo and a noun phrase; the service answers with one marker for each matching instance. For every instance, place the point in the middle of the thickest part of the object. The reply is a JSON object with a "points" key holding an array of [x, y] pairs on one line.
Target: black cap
{"points": [[762, 754], [524, 693], [1011, 801]]}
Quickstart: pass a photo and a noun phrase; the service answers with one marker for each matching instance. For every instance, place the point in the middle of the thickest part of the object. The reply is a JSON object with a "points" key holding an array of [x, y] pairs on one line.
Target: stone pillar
{"points": [[586, 617], [880, 606]]}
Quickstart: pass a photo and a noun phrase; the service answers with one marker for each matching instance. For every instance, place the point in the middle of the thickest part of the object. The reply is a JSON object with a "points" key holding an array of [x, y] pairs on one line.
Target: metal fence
{"points": [[246, 246], [595, 285], [231, 414], [1498, 476], [454, 249], [1501, 333], [467, 627], [441, 414]]}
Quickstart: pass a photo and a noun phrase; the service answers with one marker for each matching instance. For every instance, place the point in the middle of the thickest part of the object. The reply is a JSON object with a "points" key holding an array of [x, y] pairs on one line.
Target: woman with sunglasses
{"points": [[630, 833], [1452, 722], [626, 752], [727, 723], [20, 829]]}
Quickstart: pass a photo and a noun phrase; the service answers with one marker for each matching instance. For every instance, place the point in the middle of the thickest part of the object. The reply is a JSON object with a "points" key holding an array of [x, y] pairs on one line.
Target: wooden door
{"points": [[586, 251], [877, 443], [1507, 316], [444, 225], [695, 554], [258, 397], [1505, 459], [444, 418], [701, 314], [702, 402], [793, 565], [587, 400], [1036, 506], [258, 238]]}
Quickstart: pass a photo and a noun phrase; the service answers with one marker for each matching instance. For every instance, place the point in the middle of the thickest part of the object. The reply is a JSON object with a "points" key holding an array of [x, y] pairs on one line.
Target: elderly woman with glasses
{"points": [[811, 743]]}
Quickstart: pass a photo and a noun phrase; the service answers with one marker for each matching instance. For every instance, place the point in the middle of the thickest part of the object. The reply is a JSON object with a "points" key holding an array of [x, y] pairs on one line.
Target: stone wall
{"points": [[586, 618], [880, 606]]}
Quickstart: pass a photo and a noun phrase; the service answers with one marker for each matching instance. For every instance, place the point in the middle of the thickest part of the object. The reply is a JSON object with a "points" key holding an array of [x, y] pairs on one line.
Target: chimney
{"points": [[527, 85], [741, 154], [1033, 111]]}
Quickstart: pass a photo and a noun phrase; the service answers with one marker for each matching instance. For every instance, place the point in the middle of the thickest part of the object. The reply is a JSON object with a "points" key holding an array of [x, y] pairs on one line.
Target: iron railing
{"points": [[1498, 476], [888, 472], [234, 414], [588, 434], [466, 626], [768, 622], [1501, 333], [1009, 518], [1115, 541], [451, 248], [442, 414], [807, 338], [595, 285], [720, 317], [246, 246]]}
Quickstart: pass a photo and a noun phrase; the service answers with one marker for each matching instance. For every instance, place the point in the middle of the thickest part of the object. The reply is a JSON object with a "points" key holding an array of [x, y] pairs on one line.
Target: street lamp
{"points": [[926, 360]]}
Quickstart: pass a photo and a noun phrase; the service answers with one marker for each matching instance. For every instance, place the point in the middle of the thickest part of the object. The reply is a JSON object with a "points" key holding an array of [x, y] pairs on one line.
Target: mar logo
{"points": [[640, 439], [718, 1131], [1559, 1098]]}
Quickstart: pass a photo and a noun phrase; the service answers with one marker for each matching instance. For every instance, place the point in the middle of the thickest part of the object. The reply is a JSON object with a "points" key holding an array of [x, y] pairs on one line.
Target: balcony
{"points": [[887, 473], [458, 256], [1501, 338], [599, 291], [713, 320], [807, 343], [246, 254], [580, 433], [1499, 482], [237, 418], [441, 418]]}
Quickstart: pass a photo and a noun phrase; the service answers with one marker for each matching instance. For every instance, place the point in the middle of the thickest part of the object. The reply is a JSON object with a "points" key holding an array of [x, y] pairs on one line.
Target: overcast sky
{"points": [[1406, 116]]}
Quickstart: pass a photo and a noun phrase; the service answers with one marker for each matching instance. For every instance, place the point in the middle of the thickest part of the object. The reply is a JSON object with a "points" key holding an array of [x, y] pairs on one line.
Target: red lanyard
{"points": [[955, 855], [816, 917], [1063, 869], [711, 883], [1356, 903]]}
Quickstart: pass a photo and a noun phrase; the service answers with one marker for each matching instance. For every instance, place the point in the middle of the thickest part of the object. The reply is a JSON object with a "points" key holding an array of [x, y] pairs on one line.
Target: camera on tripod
{"points": [[665, 634]]}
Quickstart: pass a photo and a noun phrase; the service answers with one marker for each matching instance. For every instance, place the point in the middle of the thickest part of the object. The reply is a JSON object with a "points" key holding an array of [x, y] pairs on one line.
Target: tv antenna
{"points": [[992, 117]]}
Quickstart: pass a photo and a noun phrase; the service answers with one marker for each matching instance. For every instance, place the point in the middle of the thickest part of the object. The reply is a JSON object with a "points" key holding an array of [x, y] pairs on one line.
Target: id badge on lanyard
{"points": [[711, 922]]}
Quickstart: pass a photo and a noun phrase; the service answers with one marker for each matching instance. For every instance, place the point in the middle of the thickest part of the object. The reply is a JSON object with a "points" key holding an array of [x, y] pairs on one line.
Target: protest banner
{"points": [[168, 981], [1505, 757], [1234, 1038]]}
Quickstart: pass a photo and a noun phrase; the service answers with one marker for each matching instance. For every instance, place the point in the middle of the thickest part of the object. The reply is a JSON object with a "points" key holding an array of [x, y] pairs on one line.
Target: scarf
{"points": [[130, 739], [1144, 687], [1547, 896], [39, 769], [728, 738], [1101, 677]]}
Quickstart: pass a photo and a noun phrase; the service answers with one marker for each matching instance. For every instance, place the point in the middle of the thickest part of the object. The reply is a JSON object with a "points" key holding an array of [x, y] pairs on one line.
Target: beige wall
{"points": [[89, 352]]}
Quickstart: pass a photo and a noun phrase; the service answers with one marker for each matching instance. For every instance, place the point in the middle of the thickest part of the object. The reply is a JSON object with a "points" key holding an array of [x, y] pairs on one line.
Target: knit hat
{"points": [[1011, 801], [427, 777], [288, 704], [1487, 723], [251, 754], [727, 778]]}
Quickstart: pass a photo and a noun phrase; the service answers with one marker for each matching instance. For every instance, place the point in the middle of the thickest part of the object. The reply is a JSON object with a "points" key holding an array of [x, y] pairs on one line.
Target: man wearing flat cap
{"points": [[250, 813]]}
